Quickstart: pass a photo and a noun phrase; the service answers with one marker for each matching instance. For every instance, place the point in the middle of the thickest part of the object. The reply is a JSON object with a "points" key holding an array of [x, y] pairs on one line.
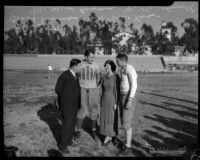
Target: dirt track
{"points": [[166, 115]]}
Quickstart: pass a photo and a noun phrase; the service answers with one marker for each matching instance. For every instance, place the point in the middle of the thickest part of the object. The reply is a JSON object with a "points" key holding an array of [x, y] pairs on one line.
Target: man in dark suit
{"points": [[68, 91]]}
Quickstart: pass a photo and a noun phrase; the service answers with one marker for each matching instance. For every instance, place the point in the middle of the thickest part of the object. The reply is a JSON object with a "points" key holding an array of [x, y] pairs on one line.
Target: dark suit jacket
{"points": [[68, 90]]}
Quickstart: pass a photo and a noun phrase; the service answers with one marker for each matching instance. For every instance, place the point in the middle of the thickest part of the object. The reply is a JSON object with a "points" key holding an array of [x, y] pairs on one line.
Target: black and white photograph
{"points": [[101, 81]]}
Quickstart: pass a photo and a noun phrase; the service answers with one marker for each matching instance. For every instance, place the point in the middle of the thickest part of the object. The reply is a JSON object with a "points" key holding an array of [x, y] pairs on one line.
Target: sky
{"points": [[138, 15]]}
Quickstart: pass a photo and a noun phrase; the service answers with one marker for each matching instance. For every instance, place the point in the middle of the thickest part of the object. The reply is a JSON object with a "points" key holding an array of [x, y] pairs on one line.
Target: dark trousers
{"points": [[69, 116]]}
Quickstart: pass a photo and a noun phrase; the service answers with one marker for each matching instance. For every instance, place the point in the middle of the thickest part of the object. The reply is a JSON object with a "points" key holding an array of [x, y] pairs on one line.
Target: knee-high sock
{"points": [[107, 139], [128, 137], [79, 124], [94, 123]]}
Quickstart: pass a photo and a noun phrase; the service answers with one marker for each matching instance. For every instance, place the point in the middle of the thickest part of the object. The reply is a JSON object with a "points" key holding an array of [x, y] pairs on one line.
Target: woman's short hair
{"points": [[112, 65], [88, 51], [74, 62], [122, 57]]}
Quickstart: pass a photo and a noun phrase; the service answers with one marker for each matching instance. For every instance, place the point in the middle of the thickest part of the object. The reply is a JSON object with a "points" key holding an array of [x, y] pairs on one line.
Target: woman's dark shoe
{"points": [[94, 136], [117, 143]]}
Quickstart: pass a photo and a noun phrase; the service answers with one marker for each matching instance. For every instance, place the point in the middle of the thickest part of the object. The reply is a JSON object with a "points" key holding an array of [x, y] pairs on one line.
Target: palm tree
{"points": [[122, 23], [190, 37], [31, 43], [68, 32], [94, 27], [147, 34], [84, 33], [106, 36], [73, 40], [20, 32], [93, 18], [12, 44], [43, 38]]}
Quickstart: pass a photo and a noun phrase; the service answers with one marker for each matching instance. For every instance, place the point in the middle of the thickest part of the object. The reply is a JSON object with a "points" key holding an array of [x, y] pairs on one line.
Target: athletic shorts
{"points": [[90, 103], [126, 115]]}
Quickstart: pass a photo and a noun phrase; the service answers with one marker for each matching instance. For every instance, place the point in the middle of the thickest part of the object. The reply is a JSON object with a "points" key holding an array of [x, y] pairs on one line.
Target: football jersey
{"points": [[89, 74]]}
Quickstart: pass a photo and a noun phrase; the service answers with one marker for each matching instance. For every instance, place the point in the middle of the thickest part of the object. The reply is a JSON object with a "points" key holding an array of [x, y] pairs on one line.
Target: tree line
{"points": [[43, 39]]}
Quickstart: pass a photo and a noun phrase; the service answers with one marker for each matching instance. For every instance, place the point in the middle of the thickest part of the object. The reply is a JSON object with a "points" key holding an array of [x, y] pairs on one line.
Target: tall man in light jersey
{"points": [[90, 92], [128, 86]]}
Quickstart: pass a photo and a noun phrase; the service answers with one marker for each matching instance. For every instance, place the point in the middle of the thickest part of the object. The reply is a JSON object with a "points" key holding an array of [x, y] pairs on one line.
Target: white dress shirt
{"points": [[73, 73], [128, 83]]}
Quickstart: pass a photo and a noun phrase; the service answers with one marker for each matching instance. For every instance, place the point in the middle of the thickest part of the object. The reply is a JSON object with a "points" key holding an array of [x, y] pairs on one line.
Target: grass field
{"points": [[166, 116]]}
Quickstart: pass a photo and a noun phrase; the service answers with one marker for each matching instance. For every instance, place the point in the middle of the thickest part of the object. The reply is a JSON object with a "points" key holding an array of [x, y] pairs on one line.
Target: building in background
{"points": [[124, 40], [166, 30], [124, 36]]}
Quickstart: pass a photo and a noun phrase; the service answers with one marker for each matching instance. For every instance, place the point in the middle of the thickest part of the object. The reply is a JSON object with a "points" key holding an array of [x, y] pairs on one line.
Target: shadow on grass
{"points": [[52, 116], [10, 151], [182, 106], [54, 153], [178, 125], [178, 141], [184, 134], [179, 99], [183, 138], [87, 127], [180, 112], [139, 150]]}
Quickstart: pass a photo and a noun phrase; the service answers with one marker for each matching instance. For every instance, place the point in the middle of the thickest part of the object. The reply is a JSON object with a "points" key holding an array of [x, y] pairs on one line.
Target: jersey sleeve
{"points": [[132, 75]]}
